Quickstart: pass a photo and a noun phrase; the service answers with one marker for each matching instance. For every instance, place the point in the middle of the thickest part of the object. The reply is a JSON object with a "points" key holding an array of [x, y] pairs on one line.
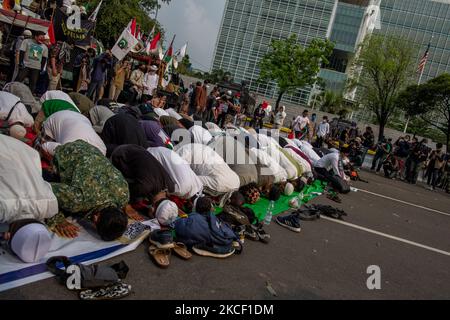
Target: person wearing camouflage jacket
{"points": [[90, 187]]}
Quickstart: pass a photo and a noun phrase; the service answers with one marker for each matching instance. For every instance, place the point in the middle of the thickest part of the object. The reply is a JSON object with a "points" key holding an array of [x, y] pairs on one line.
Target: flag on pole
{"points": [[155, 41], [94, 14], [169, 53], [138, 33], [424, 60], [51, 33], [124, 45], [182, 52], [167, 72], [132, 27], [150, 36], [160, 52]]}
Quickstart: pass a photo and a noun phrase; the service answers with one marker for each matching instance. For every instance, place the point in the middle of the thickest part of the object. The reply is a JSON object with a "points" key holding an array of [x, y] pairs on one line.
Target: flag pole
{"points": [[419, 83]]}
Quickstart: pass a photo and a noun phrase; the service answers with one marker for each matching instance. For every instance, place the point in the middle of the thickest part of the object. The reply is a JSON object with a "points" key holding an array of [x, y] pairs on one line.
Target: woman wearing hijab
{"points": [[123, 129], [146, 177], [156, 137], [11, 106], [52, 102], [67, 126], [98, 116], [24, 93]]}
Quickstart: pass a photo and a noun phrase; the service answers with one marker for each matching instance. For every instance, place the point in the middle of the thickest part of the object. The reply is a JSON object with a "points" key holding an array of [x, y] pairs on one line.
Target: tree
{"points": [[185, 66], [330, 101], [219, 75], [431, 102], [385, 66], [292, 66], [115, 15]]}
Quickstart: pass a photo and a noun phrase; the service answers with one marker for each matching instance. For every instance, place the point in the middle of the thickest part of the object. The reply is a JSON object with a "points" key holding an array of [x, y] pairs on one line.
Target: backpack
{"points": [[204, 229]]}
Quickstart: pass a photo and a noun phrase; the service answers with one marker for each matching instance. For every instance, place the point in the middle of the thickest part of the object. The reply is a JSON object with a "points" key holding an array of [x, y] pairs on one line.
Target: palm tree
{"points": [[330, 101]]}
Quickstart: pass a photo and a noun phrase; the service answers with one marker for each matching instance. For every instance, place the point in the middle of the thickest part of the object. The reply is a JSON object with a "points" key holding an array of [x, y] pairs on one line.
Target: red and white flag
{"points": [[424, 60]]}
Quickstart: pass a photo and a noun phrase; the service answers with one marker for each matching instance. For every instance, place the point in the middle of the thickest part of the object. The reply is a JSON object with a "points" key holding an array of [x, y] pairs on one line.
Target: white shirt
{"points": [[200, 135], [20, 112], [307, 149], [187, 184], [23, 192], [209, 166], [324, 129], [69, 126], [150, 83], [300, 123], [329, 162]]}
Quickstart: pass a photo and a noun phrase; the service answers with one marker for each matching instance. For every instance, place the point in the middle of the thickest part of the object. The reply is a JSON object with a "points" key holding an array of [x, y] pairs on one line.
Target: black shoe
{"points": [[213, 251], [251, 233], [292, 222], [263, 236], [162, 239], [308, 214]]}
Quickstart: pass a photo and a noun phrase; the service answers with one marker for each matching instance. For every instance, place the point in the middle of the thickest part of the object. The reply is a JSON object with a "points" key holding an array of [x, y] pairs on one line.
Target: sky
{"points": [[196, 22]]}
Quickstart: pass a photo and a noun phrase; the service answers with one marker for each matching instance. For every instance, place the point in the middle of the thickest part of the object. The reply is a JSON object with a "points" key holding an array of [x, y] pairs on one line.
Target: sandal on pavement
{"points": [[181, 251], [160, 256]]}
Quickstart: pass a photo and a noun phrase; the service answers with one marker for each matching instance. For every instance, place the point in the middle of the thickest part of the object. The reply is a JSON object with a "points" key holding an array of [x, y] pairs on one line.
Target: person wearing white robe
{"points": [[68, 126], [23, 192], [200, 135], [212, 170], [187, 184], [20, 112]]}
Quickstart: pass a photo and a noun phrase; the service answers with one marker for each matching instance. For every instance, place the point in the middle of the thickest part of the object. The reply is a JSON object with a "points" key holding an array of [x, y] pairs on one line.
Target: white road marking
{"points": [[387, 236], [404, 202]]}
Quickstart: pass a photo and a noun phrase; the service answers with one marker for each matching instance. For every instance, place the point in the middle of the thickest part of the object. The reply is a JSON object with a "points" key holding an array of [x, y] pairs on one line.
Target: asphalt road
{"points": [[327, 260]]}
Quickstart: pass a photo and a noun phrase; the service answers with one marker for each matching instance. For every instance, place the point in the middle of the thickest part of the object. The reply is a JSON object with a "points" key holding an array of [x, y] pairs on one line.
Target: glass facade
{"points": [[423, 22], [249, 26]]}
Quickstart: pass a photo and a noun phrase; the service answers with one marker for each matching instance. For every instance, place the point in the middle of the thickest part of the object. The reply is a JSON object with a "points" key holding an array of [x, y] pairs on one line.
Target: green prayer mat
{"points": [[282, 205]]}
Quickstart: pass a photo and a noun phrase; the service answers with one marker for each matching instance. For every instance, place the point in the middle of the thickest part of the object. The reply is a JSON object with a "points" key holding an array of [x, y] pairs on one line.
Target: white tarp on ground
{"points": [[86, 249]]}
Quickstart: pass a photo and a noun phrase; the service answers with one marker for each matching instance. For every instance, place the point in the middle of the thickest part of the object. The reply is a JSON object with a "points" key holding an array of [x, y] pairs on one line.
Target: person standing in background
{"points": [[322, 132], [33, 58], [122, 72]]}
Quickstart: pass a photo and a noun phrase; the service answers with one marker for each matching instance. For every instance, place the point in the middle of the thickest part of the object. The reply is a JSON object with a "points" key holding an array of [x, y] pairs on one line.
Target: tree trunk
{"points": [[381, 134], [280, 96], [448, 135]]}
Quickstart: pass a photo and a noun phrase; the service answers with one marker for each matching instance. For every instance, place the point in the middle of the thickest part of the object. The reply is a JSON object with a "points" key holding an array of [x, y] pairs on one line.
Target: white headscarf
{"points": [[20, 112], [58, 95], [99, 115]]}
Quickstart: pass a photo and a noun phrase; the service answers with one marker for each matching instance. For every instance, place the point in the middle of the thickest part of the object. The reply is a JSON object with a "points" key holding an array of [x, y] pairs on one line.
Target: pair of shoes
{"points": [[213, 251], [430, 188], [291, 222], [162, 246], [162, 239], [309, 213], [250, 233], [334, 197]]}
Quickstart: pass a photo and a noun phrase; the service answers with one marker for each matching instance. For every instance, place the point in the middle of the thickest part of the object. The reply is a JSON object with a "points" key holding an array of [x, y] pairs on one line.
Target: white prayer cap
{"points": [[167, 213], [31, 242], [17, 131], [289, 189], [50, 147], [154, 68]]}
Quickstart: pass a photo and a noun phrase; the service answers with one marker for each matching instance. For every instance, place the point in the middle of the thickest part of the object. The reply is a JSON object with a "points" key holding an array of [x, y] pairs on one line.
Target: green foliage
{"points": [[219, 75], [385, 67], [185, 66], [115, 15], [430, 102], [291, 65]]}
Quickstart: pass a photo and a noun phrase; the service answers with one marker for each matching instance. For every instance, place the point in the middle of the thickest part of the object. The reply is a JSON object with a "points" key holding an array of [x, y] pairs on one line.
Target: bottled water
{"points": [[269, 213], [301, 197]]}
